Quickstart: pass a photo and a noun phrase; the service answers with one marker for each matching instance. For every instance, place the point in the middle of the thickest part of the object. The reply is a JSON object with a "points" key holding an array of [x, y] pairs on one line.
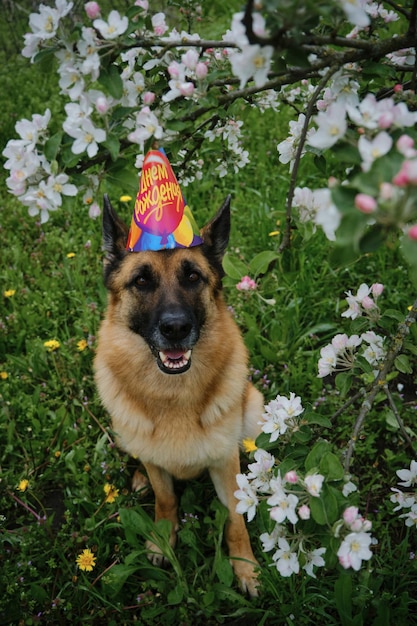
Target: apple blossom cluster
{"points": [[364, 302], [282, 415], [32, 177], [406, 500], [372, 126], [341, 354], [246, 284], [287, 498], [95, 91], [250, 60], [288, 501], [122, 95], [357, 540]]}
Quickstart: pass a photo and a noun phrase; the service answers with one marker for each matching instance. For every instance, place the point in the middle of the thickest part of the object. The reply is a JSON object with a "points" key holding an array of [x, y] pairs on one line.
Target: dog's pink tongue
{"points": [[174, 354]]}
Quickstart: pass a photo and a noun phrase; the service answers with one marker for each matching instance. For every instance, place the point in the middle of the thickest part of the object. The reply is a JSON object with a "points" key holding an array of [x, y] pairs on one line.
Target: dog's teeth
{"points": [[175, 362]]}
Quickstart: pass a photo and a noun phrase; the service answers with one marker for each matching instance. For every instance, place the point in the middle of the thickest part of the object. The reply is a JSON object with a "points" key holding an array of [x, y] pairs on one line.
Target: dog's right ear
{"points": [[115, 232]]}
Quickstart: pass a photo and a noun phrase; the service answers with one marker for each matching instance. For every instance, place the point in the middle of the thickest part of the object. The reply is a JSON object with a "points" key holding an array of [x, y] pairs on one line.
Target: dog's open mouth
{"points": [[174, 361]]}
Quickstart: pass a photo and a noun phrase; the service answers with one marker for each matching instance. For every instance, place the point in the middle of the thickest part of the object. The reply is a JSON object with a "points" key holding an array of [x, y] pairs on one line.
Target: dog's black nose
{"points": [[175, 325]]}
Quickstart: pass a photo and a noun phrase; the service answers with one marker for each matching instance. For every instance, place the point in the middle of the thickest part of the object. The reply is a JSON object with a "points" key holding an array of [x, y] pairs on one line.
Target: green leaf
{"points": [[113, 146], [372, 239], [325, 508], [116, 577], [52, 146], [224, 571], [45, 55], [408, 249], [343, 382], [410, 347], [331, 467], [320, 420], [261, 262], [233, 267], [343, 597], [402, 363], [110, 79], [176, 595], [313, 458]]}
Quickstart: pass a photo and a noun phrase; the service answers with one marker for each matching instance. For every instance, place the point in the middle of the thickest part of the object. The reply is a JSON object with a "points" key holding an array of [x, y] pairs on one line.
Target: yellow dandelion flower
{"points": [[9, 293], [51, 345], [70, 255], [249, 445], [23, 485], [86, 560], [57, 454], [82, 345], [111, 493], [4, 375], [125, 198], [274, 233]]}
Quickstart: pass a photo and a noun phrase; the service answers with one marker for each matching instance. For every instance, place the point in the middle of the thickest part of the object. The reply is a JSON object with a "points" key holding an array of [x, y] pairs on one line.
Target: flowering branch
{"points": [[286, 239], [380, 381]]}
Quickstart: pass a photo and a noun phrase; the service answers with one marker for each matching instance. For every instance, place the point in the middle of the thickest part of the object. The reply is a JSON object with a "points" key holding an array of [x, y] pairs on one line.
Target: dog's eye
{"points": [[142, 281], [193, 277]]}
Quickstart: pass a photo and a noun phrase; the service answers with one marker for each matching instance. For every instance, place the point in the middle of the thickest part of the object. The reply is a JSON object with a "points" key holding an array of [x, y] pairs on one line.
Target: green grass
{"points": [[55, 434]]}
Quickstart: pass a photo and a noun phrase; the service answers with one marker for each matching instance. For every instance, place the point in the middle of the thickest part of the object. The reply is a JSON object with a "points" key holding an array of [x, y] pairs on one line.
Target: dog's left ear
{"points": [[115, 232], [216, 233]]}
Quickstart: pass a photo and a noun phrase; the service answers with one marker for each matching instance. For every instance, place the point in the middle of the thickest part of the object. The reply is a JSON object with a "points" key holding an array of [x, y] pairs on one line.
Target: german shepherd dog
{"points": [[171, 369]]}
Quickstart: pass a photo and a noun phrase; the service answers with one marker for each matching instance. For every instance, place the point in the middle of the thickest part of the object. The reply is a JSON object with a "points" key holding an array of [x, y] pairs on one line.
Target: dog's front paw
{"points": [[140, 483], [154, 554], [247, 575]]}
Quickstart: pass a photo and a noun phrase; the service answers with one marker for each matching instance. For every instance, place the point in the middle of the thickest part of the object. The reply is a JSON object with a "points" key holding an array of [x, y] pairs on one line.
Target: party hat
{"points": [[161, 218]]}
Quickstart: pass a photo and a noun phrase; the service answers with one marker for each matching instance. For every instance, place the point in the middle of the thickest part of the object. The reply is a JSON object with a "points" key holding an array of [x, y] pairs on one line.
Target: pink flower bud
{"points": [[398, 88], [291, 477], [386, 191], [304, 512], [92, 9], [201, 70], [350, 514], [377, 289], [190, 59], [368, 303], [174, 69], [405, 144], [412, 233], [345, 561], [385, 120], [407, 174], [94, 211], [102, 105], [187, 89], [365, 203], [148, 97]]}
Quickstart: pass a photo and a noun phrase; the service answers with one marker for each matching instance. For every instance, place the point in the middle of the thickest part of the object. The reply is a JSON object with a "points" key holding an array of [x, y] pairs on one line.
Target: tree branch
{"points": [[285, 242], [380, 380]]}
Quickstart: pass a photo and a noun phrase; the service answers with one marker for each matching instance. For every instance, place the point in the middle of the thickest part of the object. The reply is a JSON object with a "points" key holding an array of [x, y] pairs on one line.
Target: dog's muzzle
{"points": [[176, 337]]}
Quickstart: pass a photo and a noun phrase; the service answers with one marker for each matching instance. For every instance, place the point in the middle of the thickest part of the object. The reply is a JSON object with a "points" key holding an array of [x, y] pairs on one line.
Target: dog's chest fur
{"points": [[183, 423]]}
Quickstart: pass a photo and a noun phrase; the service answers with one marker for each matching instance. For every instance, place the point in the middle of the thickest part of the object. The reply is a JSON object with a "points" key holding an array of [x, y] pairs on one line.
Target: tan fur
{"points": [[180, 425]]}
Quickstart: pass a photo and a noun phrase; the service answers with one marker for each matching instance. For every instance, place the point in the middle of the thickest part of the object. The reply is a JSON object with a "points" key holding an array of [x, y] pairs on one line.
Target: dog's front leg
{"points": [[166, 507], [237, 537]]}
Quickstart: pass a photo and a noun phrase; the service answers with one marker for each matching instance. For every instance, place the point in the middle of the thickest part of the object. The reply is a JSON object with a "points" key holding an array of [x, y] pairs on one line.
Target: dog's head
{"points": [[165, 296]]}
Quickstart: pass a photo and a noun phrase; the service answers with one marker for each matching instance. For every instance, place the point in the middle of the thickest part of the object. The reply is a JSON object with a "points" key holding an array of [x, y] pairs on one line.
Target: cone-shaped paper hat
{"points": [[161, 218]]}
